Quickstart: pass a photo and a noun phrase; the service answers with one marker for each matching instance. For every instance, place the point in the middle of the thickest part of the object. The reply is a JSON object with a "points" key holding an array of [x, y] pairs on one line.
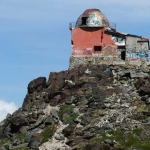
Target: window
{"points": [[84, 20], [97, 48]]}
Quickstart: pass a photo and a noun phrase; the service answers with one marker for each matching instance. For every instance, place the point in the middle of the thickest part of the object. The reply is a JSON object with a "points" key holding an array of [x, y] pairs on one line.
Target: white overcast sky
{"points": [[35, 37]]}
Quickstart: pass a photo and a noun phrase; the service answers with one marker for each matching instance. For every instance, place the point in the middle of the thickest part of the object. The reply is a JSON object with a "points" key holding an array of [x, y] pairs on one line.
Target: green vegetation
{"points": [[72, 117], [66, 114], [47, 133], [20, 136], [65, 109], [123, 140], [137, 131], [21, 148], [7, 141]]}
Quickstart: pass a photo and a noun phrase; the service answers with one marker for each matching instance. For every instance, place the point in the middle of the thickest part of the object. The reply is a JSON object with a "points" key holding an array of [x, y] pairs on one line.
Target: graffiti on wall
{"points": [[92, 20], [118, 41], [136, 55], [96, 54], [84, 52]]}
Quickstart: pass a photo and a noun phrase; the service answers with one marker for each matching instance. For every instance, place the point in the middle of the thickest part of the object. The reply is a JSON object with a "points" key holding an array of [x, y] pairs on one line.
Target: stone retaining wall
{"points": [[76, 61]]}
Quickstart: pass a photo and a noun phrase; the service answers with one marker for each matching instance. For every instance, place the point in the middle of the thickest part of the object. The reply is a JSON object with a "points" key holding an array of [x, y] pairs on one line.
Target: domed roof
{"points": [[92, 18]]}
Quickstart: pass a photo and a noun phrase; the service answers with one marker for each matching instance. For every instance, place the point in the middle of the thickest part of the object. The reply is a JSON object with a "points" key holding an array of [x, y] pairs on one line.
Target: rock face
{"points": [[96, 107]]}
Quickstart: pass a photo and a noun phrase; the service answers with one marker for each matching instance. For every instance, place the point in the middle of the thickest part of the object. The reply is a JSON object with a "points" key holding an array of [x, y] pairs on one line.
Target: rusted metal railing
{"points": [[112, 25]]}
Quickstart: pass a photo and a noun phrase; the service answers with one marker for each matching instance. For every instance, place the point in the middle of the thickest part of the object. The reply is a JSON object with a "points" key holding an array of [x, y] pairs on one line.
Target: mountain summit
{"points": [[96, 107]]}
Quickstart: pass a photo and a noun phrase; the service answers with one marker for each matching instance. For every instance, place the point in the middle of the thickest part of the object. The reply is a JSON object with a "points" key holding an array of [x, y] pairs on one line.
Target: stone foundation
{"points": [[76, 61]]}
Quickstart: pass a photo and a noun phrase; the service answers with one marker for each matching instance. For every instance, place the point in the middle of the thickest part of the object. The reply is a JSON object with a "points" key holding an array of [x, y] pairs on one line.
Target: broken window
{"points": [[84, 19], [97, 48]]}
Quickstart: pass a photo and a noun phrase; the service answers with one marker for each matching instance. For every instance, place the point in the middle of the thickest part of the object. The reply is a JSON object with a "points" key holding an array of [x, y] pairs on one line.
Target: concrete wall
{"points": [[115, 49], [136, 50], [84, 40]]}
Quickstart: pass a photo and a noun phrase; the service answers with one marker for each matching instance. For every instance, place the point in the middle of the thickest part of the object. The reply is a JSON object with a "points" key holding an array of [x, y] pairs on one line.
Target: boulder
{"points": [[35, 141], [48, 120], [36, 84], [55, 83], [17, 121], [53, 112]]}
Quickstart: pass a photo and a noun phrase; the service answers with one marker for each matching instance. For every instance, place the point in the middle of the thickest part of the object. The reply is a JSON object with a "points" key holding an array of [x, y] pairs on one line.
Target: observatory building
{"points": [[95, 40]]}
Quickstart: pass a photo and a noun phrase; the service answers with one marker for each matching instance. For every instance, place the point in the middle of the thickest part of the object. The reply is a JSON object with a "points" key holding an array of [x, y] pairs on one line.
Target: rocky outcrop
{"points": [[88, 107]]}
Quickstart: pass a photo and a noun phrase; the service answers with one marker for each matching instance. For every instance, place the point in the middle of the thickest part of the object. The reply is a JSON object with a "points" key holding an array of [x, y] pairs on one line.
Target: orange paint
{"points": [[84, 39]]}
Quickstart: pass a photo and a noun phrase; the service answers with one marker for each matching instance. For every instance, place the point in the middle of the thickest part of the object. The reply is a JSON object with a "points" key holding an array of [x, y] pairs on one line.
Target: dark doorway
{"points": [[123, 55]]}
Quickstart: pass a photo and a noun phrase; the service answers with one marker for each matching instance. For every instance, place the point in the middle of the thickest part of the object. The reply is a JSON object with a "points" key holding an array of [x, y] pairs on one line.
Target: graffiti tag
{"points": [[138, 55], [82, 52], [93, 21]]}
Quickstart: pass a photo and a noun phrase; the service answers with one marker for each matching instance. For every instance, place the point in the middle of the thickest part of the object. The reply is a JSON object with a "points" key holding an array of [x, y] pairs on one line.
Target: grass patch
{"points": [[71, 118], [6, 141], [65, 109], [125, 141], [66, 114], [111, 135], [20, 136], [137, 131], [47, 133], [21, 148]]}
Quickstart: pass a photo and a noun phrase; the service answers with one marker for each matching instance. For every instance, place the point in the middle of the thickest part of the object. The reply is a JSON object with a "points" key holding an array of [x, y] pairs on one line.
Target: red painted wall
{"points": [[84, 40]]}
